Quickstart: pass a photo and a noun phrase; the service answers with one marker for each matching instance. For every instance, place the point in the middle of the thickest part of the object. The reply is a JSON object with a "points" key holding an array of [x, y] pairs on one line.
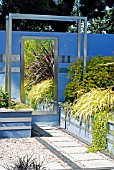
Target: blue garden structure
{"points": [[68, 52]]}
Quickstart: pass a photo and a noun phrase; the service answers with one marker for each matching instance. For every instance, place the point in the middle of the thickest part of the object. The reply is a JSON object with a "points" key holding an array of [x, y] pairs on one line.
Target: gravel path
{"points": [[12, 149]]}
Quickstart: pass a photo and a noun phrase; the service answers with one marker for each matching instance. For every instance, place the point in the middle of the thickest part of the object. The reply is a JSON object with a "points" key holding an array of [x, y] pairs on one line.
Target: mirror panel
{"points": [[39, 73]]}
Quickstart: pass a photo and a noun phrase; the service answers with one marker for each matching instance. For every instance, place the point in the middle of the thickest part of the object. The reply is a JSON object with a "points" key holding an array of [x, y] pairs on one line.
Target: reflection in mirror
{"points": [[39, 73]]}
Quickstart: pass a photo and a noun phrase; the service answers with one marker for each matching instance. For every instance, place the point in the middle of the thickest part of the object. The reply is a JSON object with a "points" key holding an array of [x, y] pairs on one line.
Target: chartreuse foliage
{"points": [[98, 104], [99, 73], [19, 106], [99, 131], [91, 96], [41, 92], [97, 100]]}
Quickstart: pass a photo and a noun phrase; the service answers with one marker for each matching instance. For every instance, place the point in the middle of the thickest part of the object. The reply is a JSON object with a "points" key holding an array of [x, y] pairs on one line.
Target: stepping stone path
{"points": [[58, 149], [72, 150]]}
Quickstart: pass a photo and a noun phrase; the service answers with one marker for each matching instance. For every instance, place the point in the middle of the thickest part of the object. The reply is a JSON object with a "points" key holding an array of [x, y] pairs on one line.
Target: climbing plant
{"points": [[99, 131], [97, 104]]}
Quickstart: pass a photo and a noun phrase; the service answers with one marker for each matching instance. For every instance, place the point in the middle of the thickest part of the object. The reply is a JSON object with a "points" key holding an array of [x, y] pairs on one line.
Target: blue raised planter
{"points": [[15, 124]]}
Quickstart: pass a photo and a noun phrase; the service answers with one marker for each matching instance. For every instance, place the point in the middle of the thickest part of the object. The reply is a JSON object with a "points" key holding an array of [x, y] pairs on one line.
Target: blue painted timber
{"points": [[15, 124], [49, 119]]}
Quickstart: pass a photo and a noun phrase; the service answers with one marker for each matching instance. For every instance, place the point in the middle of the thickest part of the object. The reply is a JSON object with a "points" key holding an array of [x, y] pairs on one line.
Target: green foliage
{"points": [[92, 96], [19, 106], [3, 98], [100, 17], [41, 92], [75, 74], [97, 104], [43, 7], [94, 8], [38, 56], [104, 25], [99, 132], [14, 105], [99, 73], [97, 100]]}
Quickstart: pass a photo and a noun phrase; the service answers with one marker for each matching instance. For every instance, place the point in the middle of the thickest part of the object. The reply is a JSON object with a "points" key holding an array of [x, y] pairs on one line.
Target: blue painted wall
{"points": [[50, 119], [17, 128], [102, 44]]}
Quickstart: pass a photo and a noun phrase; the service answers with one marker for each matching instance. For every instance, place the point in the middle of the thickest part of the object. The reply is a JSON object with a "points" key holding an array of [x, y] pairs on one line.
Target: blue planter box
{"points": [[15, 124]]}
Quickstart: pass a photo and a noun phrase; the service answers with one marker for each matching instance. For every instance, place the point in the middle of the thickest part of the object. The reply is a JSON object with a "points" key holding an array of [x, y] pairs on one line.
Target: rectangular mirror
{"points": [[39, 72]]}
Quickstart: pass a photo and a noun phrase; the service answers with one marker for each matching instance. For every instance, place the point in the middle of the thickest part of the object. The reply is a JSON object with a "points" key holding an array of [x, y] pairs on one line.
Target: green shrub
{"points": [[99, 105], [14, 105], [3, 98], [99, 73], [75, 74], [18, 105], [92, 96], [42, 92], [95, 101]]}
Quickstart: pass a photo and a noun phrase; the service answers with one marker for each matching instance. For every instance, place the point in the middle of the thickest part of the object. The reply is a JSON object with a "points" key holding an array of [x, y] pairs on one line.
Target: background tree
{"points": [[100, 14], [45, 7], [104, 25], [95, 10], [92, 9]]}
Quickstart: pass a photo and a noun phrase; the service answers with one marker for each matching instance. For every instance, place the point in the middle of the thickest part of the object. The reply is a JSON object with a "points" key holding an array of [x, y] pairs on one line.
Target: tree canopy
{"points": [[44, 7], [94, 8], [100, 13]]}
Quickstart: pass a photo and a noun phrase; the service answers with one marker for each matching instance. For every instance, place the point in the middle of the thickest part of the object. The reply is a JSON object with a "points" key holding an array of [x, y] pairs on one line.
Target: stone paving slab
{"points": [[87, 156], [59, 139], [55, 134], [75, 150], [97, 163], [66, 144], [64, 158], [51, 130]]}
